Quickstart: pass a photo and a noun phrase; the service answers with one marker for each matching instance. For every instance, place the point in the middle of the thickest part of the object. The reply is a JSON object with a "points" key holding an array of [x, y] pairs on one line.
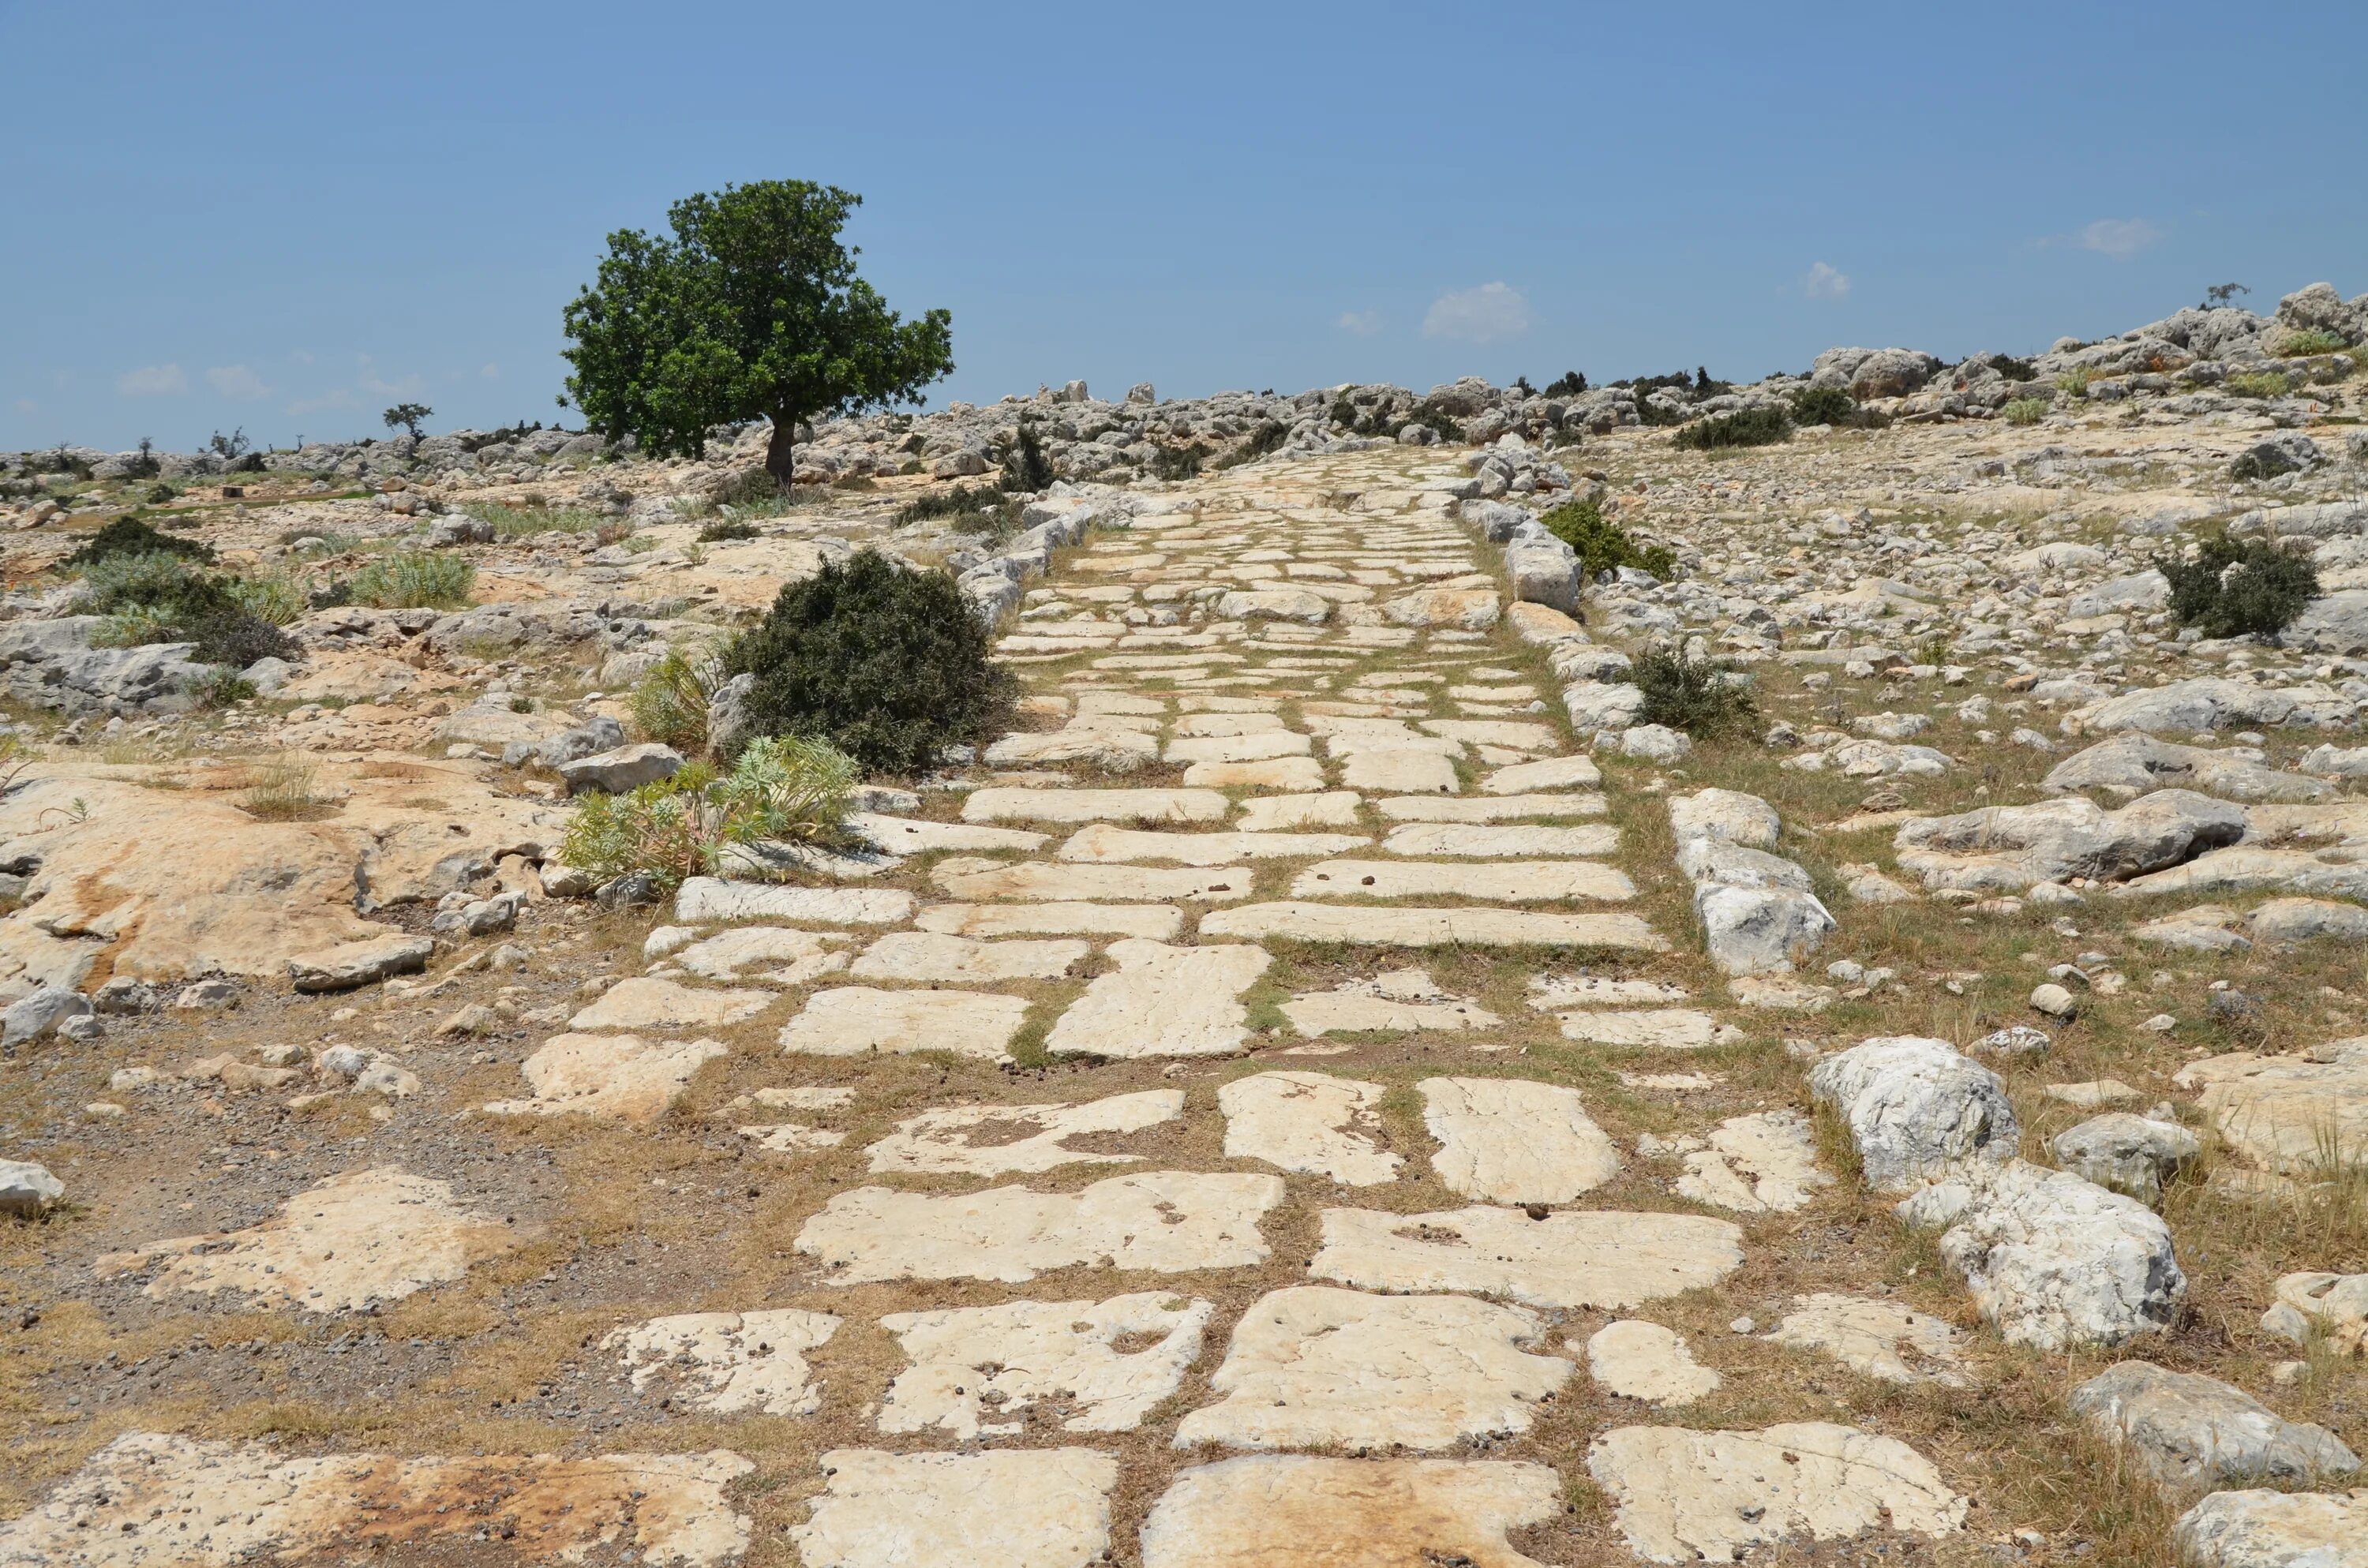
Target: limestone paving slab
{"points": [[648, 1002], [1645, 1362], [913, 835], [1158, 923], [1666, 1028], [1486, 808], [1296, 1511], [1500, 881], [730, 1363], [1547, 773], [1055, 882], [1029, 1508], [1005, 804], [855, 1020], [1762, 1163], [977, 1372], [1165, 1221], [1320, 808], [1105, 845], [1162, 1000], [1409, 926], [1514, 1140], [1014, 1139], [706, 900], [801, 956], [1876, 1338], [964, 961], [620, 1077], [1500, 841], [1399, 1002], [1297, 773], [1310, 1123], [1604, 1259]]}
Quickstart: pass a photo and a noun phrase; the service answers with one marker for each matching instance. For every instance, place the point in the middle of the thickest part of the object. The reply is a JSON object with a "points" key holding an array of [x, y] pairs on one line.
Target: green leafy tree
{"points": [[752, 308], [406, 417]]}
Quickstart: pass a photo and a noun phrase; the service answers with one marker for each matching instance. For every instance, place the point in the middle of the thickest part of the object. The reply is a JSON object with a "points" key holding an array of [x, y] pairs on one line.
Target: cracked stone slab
{"points": [[1400, 772], [1550, 773], [1310, 1123], [914, 836], [964, 961], [1013, 1140], [147, 1498], [1259, 748], [1093, 805], [1054, 881], [370, 1235], [1316, 1367], [1554, 992], [1279, 814], [1685, 1495], [1604, 1259], [1398, 1002], [801, 956], [977, 1372], [1162, 1000], [1501, 882], [620, 1077], [1645, 1362], [1295, 773], [1760, 1163], [1168, 1222], [1154, 922], [855, 1020], [1663, 1028], [645, 1002], [730, 1363], [1876, 1338], [1404, 925], [1029, 1508], [2261, 1529], [703, 901], [1486, 808], [1515, 1140], [1104, 844], [2282, 1112], [1500, 841], [1294, 1511]]}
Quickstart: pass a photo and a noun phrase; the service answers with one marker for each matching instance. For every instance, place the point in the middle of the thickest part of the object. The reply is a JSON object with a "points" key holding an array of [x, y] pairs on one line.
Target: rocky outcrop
{"points": [[2011, 848], [1916, 1109], [2193, 1433]]}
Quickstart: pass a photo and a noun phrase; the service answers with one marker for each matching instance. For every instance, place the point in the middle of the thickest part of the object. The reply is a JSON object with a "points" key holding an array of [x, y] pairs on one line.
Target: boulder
{"points": [[2193, 1433], [2332, 623], [40, 1015], [2330, 1306], [2137, 763], [2213, 702], [28, 1190], [2274, 1529], [1596, 706], [2011, 848], [1728, 814], [1760, 930], [1915, 1108], [624, 769], [2130, 1154], [596, 734], [351, 965], [2052, 1260], [2147, 590]]}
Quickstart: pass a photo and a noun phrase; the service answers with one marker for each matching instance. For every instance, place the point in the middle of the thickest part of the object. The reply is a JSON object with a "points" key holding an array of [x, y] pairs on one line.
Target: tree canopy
{"points": [[752, 308]]}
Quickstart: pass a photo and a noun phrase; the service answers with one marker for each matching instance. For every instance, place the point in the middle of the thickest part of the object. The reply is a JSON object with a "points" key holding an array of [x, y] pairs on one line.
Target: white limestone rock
{"points": [[1024, 1508], [1162, 1000], [1644, 1361], [1016, 1139], [1309, 1122], [730, 1363], [1916, 1107], [1515, 1140], [1571, 1258], [1876, 1338], [1295, 1511], [976, 1370], [856, 1020]]}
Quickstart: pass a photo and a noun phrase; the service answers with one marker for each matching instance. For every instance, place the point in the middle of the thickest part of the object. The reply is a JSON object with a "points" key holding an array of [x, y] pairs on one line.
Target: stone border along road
{"points": [[1421, 1295]]}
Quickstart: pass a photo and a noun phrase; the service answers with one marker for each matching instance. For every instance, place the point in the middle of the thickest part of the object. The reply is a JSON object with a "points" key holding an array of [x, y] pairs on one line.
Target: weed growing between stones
{"points": [[670, 704], [413, 580], [1698, 696], [1603, 545], [2024, 411], [782, 789], [2237, 587], [2258, 383], [282, 791]]}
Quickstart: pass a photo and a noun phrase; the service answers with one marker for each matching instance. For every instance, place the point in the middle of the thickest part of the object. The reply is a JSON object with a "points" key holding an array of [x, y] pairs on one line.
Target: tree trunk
{"points": [[780, 460]]}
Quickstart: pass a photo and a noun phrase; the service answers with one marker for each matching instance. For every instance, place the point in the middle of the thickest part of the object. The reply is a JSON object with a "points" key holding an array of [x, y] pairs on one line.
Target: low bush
{"points": [[1026, 466], [1759, 426], [524, 522], [2025, 411], [2238, 587], [156, 598], [1823, 405], [2013, 369], [130, 536], [222, 687], [782, 789], [1603, 545], [413, 580], [273, 597], [1269, 436], [1184, 462], [723, 530], [1702, 697], [2075, 383], [670, 703], [2301, 343], [886, 664], [2258, 383]]}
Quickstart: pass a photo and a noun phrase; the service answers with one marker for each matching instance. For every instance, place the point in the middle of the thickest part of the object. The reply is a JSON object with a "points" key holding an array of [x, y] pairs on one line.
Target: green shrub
{"points": [[1269, 436], [156, 598], [273, 597], [2075, 383], [413, 580], [1603, 545], [2300, 344], [781, 789], [1026, 466], [222, 687], [889, 666], [670, 703], [2025, 411], [2013, 369], [2238, 587], [130, 536], [1759, 426], [1823, 405], [727, 530], [523, 522], [1184, 462], [2258, 383], [1701, 697]]}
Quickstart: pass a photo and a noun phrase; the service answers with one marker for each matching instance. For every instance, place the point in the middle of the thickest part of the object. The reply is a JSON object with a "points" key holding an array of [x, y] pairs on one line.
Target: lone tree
{"points": [[407, 415], [752, 308], [2221, 295]]}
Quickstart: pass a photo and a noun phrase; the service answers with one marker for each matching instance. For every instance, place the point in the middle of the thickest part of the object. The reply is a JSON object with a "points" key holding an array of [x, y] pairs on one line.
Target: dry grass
{"points": [[284, 791]]}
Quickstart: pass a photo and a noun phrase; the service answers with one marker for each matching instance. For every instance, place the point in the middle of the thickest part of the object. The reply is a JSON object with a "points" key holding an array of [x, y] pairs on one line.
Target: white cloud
{"points": [[2120, 238], [371, 381], [340, 398], [1364, 324], [237, 382], [1487, 315], [1824, 281], [152, 381], [491, 372], [26, 405]]}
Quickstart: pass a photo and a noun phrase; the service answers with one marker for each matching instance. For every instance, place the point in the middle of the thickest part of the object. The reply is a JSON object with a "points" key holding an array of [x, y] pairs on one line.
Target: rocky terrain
{"points": [[1338, 1083]]}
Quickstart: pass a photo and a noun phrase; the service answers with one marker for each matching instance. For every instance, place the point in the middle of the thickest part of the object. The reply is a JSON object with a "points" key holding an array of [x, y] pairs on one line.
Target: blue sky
{"points": [[289, 217]]}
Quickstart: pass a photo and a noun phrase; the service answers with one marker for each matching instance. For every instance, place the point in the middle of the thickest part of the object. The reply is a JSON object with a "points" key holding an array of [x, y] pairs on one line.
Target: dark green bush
{"points": [[1570, 383], [888, 666], [1823, 405], [155, 598], [724, 530], [1702, 697], [2013, 369], [2238, 587], [1269, 436], [1759, 426], [1027, 467], [1603, 545], [130, 536], [1180, 462]]}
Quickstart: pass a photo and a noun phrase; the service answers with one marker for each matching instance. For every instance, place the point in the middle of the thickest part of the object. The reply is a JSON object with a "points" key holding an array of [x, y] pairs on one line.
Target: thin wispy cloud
{"points": [[152, 381], [491, 372], [336, 398], [1489, 314], [26, 405], [1364, 324], [1825, 281], [237, 383], [370, 380], [2120, 238]]}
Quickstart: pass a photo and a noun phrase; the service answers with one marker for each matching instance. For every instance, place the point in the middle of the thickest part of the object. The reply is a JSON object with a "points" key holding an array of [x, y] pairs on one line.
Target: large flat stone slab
{"points": [[1501, 840], [1273, 773], [1104, 844], [647, 1002], [1760, 1163], [1876, 1338], [1322, 808], [366, 1236], [1399, 1002], [1309, 1122], [1156, 922], [617, 1078], [1486, 808], [1165, 1221], [1574, 1258], [1290, 1511], [1663, 1028], [1500, 881], [1055, 882], [1032, 1509], [1407, 926], [1315, 1367], [1162, 1000], [1549, 773], [705, 900], [2261, 1529], [977, 1372], [1093, 805], [1684, 1496], [964, 961], [1644, 1361], [1408, 771], [730, 1363], [1256, 748], [792, 957], [855, 1020], [2287, 1113], [1016, 1139], [913, 835], [1514, 1141]]}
